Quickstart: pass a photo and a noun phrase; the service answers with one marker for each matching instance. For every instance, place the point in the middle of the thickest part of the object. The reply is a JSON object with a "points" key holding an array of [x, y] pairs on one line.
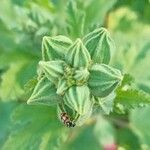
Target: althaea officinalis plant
{"points": [[74, 75]]}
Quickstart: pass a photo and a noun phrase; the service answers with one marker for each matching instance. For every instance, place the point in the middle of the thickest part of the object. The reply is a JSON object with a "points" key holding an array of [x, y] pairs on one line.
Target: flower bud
{"points": [[78, 99], [55, 47], [77, 55], [52, 69], [100, 45], [103, 79], [44, 93]]}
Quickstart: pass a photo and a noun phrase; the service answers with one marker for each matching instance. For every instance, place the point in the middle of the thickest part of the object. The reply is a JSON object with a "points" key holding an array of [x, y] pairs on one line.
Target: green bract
{"points": [[55, 47], [77, 55], [44, 93], [103, 79], [75, 75], [99, 45], [52, 69], [78, 99]]}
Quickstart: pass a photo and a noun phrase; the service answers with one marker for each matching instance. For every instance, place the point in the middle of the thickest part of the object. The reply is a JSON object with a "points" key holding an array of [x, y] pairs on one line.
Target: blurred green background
{"points": [[23, 23]]}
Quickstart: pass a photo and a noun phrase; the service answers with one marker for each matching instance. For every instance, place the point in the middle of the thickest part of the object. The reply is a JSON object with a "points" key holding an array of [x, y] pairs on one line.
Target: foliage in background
{"points": [[22, 26]]}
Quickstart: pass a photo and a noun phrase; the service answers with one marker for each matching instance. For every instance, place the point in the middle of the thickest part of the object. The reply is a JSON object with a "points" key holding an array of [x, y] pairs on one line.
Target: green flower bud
{"points": [[52, 69], [78, 99], [44, 93], [99, 45], [55, 47], [103, 79], [77, 55]]}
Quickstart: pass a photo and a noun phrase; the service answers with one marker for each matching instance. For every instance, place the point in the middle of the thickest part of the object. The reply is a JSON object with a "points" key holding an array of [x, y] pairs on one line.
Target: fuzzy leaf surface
{"points": [[131, 98], [75, 19], [37, 126]]}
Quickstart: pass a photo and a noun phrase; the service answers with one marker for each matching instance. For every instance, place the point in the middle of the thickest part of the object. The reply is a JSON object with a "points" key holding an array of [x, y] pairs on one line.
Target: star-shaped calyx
{"points": [[74, 74]]}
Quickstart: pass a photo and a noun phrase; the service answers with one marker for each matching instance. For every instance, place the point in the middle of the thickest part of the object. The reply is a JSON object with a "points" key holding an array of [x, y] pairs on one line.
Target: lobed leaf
{"points": [[131, 98], [75, 20], [106, 103], [127, 80], [34, 127]]}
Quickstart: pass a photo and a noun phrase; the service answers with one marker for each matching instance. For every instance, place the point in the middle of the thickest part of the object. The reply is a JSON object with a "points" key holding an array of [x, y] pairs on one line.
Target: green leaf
{"points": [[44, 93], [96, 12], [77, 55], [34, 127], [100, 45], [104, 132], [75, 20], [106, 103], [30, 85], [140, 123], [27, 72], [82, 140], [103, 79], [6, 109], [78, 99], [127, 80], [127, 139], [10, 88], [144, 51], [55, 47], [131, 98], [52, 69], [141, 62]]}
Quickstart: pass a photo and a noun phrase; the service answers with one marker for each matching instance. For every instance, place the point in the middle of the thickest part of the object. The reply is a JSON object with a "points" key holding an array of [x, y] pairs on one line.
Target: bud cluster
{"points": [[75, 74]]}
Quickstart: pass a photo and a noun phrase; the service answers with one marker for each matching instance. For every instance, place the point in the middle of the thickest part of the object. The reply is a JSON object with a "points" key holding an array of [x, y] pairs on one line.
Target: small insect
{"points": [[66, 120]]}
